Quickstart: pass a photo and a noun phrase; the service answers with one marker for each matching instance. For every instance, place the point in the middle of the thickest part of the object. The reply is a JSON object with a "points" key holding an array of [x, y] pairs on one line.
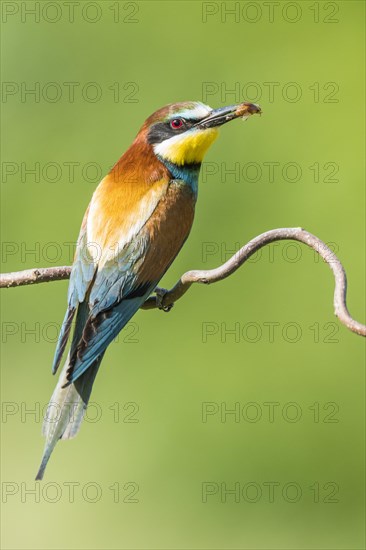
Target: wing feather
{"points": [[82, 273]]}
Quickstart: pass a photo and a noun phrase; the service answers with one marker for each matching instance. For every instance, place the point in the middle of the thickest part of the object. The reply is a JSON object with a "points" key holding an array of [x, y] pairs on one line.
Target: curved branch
{"points": [[164, 299]]}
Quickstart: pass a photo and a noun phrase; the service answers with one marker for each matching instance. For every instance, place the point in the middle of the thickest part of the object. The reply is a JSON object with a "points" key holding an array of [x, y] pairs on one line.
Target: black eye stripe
{"points": [[162, 130]]}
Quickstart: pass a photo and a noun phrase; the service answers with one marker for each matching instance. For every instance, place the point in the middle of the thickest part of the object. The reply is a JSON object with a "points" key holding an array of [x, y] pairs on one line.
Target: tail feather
{"points": [[66, 409]]}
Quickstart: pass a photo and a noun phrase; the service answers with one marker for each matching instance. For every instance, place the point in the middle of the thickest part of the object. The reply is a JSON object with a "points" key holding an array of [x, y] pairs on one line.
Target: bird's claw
{"points": [[160, 293]]}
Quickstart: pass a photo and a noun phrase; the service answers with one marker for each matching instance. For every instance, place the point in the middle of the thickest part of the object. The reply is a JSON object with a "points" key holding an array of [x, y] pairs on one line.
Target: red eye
{"points": [[176, 123]]}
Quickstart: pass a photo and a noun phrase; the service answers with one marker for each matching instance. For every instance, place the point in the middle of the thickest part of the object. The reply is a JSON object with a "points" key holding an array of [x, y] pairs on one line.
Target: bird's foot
{"points": [[160, 293]]}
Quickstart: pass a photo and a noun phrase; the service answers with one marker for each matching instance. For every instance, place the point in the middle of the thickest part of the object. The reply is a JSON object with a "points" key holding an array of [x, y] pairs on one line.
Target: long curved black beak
{"points": [[220, 116]]}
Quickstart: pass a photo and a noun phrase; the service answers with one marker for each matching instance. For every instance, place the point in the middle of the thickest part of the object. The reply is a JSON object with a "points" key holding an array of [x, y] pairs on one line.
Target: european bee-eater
{"points": [[137, 221]]}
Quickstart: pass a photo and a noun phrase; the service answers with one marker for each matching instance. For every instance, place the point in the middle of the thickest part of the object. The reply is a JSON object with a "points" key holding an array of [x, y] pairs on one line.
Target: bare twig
{"points": [[164, 299], [34, 276]]}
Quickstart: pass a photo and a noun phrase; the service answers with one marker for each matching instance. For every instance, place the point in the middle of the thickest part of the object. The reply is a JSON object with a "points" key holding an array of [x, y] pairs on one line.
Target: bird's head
{"points": [[181, 133]]}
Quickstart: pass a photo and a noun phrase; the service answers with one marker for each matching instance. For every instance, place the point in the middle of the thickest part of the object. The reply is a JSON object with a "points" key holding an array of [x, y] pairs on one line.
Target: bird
{"points": [[138, 219]]}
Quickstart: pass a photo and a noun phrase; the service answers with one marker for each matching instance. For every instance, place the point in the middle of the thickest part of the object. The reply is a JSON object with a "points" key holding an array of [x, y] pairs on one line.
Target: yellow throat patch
{"points": [[187, 148]]}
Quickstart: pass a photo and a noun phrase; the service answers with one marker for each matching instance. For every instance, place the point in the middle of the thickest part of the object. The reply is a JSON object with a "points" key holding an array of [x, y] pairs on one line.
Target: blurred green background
{"points": [[146, 434]]}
